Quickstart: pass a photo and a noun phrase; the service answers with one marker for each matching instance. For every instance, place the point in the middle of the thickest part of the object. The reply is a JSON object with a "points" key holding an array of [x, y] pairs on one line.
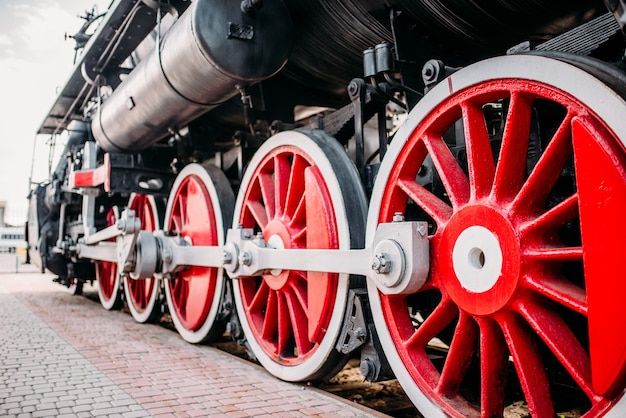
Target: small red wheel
{"points": [[300, 191], [199, 205], [526, 288], [107, 277], [142, 295]]}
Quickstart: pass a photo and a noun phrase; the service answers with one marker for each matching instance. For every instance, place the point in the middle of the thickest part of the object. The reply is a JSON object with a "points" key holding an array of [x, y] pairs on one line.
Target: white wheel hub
{"points": [[477, 259]]}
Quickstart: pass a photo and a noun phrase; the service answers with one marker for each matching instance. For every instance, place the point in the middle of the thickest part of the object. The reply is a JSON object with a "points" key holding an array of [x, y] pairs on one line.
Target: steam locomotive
{"points": [[435, 187]]}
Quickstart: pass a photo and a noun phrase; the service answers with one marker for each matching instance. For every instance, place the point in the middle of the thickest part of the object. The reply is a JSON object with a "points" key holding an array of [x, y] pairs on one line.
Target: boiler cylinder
{"points": [[214, 47]]}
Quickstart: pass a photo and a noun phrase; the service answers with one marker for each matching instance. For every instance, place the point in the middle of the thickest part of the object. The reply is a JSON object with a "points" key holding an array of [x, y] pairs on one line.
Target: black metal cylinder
{"points": [[384, 58], [211, 50], [369, 63]]}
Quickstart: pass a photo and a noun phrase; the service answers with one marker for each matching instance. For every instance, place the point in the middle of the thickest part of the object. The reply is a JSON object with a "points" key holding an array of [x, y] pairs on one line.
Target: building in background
{"points": [[12, 238]]}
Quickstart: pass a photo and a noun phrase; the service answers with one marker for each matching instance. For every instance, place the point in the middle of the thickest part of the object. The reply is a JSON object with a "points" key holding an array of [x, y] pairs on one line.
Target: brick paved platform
{"points": [[65, 356]]}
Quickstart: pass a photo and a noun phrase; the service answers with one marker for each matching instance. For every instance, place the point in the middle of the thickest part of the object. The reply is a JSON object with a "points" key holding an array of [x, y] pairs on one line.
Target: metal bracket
{"points": [[97, 246], [358, 332], [354, 331], [357, 89]]}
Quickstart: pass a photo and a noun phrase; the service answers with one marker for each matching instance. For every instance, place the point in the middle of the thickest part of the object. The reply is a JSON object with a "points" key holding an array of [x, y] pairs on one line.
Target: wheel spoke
{"points": [[299, 321], [282, 173], [552, 219], [295, 193], [557, 335], [441, 317], [285, 331], [298, 288], [266, 184], [559, 290], [546, 172], [182, 291], [460, 355], [481, 166], [530, 368], [555, 254], [271, 318], [141, 294], [106, 274], [181, 204], [260, 299], [511, 167], [493, 368], [298, 216], [431, 204], [299, 237], [258, 212], [454, 179]]}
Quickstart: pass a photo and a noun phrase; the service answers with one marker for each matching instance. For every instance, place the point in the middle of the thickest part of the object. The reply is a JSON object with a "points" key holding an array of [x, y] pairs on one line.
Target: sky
{"points": [[35, 61]]}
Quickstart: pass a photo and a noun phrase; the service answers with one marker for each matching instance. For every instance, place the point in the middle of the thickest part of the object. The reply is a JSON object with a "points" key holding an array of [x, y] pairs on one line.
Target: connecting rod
{"points": [[397, 258]]}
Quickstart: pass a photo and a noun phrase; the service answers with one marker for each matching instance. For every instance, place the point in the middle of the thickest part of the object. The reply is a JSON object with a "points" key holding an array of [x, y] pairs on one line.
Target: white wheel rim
{"points": [[201, 333], [143, 316], [309, 367], [558, 74]]}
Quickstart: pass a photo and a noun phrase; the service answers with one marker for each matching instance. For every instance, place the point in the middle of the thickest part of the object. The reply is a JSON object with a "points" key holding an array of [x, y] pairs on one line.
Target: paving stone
{"points": [[67, 356]]}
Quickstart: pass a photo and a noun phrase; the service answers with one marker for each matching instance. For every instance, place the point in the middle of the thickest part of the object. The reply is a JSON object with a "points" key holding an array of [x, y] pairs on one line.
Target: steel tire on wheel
{"points": [[109, 281], [142, 295], [525, 295], [300, 190], [198, 208]]}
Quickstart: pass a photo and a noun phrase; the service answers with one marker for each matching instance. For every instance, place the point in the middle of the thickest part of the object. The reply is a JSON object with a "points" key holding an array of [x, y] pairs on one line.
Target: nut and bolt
{"points": [[432, 71], [368, 369], [360, 334], [381, 264], [398, 217], [167, 255], [245, 258]]}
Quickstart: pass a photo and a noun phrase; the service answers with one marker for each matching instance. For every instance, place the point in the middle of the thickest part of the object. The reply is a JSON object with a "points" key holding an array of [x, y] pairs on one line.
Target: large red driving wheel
{"points": [[519, 166], [200, 202], [300, 191], [107, 277], [142, 295]]}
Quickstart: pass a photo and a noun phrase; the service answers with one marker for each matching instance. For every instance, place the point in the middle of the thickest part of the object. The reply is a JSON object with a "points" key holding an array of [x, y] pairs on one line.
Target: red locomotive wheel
{"points": [[106, 275], [519, 166], [200, 201], [142, 295], [292, 195]]}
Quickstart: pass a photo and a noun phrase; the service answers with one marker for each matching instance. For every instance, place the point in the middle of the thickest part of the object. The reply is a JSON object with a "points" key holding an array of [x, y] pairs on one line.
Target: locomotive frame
{"points": [[231, 164]]}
